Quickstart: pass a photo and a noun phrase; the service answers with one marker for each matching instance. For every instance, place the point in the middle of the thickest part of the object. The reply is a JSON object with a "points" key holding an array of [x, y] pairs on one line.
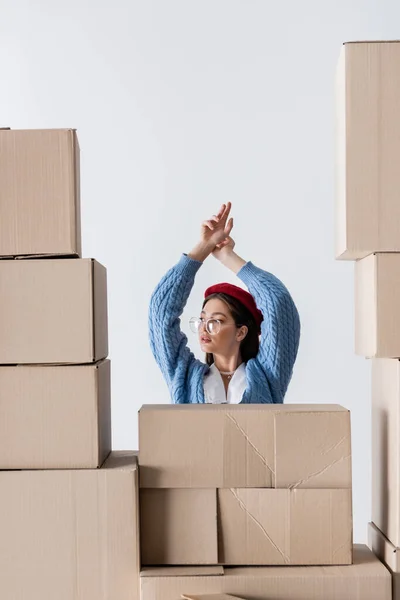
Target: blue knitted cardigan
{"points": [[267, 375]]}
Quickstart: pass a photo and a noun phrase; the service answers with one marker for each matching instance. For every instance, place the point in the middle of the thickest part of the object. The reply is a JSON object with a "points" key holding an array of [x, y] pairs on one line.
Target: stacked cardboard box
{"points": [[227, 492], [68, 528], [368, 231]]}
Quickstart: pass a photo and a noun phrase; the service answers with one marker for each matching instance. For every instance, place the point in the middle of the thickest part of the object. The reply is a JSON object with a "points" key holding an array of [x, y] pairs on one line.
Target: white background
{"points": [[182, 105]]}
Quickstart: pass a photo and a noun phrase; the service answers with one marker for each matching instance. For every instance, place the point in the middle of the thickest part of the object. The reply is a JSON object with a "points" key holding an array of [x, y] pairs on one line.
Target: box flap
{"points": [[313, 450], [209, 571]]}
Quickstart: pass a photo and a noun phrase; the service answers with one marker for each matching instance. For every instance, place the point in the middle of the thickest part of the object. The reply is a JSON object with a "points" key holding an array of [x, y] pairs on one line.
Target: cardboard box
{"points": [[244, 445], [39, 193], [386, 447], [367, 147], [377, 298], [71, 535], [53, 311], [388, 554], [366, 579], [55, 417], [246, 526]]}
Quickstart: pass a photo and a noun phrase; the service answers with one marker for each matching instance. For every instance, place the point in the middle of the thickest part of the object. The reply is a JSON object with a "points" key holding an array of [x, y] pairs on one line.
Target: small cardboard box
{"points": [[246, 526], [53, 311], [377, 298], [55, 417], [245, 445], [366, 579], [39, 193], [71, 535], [367, 147]]}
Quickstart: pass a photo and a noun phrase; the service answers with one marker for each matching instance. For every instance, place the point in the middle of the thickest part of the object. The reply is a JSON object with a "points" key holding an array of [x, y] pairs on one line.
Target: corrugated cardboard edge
{"points": [[371, 42], [273, 408], [383, 548], [103, 395], [76, 230], [212, 597], [215, 571], [100, 311], [126, 462]]}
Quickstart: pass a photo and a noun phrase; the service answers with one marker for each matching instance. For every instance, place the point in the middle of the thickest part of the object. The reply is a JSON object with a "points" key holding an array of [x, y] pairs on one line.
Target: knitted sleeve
{"points": [[168, 343], [280, 329]]}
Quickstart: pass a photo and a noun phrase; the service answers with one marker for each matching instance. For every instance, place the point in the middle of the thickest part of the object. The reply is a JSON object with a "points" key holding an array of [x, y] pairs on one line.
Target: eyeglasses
{"points": [[212, 326]]}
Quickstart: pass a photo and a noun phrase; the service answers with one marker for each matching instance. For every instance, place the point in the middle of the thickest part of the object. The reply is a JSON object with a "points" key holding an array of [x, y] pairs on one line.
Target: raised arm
{"points": [[167, 342], [280, 329]]}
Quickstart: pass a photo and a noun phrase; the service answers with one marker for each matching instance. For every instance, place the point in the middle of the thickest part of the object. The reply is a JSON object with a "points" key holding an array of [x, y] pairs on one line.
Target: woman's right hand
{"points": [[217, 229]]}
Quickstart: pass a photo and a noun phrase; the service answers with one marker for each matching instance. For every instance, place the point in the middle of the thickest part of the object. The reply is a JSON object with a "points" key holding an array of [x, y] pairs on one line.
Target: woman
{"points": [[239, 366]]}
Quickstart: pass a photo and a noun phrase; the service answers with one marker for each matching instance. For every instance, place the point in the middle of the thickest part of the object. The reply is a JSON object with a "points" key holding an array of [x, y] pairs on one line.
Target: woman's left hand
{"points": [[224, 248]]}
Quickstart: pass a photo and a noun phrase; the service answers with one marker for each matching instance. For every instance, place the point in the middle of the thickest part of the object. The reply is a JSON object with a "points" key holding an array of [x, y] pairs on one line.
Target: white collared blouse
{"points": [[214, 389]]}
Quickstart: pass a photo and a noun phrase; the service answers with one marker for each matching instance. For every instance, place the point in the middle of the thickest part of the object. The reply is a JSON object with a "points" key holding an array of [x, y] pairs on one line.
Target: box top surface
{"points": [[371, 42], [121, 460], [276, 408], [50, 130]]}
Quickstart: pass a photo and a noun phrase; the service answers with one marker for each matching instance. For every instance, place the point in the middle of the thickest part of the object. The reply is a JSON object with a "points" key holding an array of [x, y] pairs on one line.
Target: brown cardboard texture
{"points": [[246, 526], [179, 526], [212, 597], [53, 311], [383, 548], [39, 193], [285, 527], [367, 175], [377, 297], [366, 579], [55, 417], [388, 554], [229, 446], [71, 534], [386, 447]]}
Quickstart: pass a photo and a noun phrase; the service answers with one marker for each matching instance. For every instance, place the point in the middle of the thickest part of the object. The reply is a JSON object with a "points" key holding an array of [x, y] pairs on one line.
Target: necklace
{"points": [[228, 373]]}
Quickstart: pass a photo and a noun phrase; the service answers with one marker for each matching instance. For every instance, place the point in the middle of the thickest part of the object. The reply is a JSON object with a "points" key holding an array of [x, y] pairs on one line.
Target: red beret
{"points": [[240, 294]]}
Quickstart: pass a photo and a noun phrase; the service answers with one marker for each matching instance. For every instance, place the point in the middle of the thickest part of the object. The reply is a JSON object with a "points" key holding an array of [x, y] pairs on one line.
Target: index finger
{"points": [[221, 211]]}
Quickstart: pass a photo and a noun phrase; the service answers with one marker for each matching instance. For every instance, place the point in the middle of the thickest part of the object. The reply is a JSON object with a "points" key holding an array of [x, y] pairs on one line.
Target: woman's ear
{"points": [[242, 332]]}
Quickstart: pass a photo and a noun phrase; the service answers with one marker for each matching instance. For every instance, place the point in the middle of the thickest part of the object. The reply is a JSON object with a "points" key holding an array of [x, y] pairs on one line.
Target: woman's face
{"points": [[228, 336]]}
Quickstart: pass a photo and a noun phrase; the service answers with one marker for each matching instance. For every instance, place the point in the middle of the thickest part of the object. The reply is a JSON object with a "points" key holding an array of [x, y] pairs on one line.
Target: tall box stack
{"points": [[68, 522], [250, 500], [368, 232]]}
